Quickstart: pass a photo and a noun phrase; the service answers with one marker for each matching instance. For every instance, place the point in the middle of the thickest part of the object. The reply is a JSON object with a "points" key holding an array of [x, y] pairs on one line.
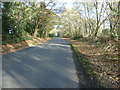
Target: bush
{"points": [[77, 37], [12, 39], [29, 38], [26, 38], [17, 40], [0, 42], [51, 35]]}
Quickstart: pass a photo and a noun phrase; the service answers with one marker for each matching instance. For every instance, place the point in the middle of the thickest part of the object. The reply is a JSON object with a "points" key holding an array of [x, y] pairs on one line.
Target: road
{"points": [[47, 65]]}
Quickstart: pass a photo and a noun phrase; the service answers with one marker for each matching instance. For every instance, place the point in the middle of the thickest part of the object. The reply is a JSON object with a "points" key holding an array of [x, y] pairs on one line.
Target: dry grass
{"points": [[103, 60], [24, 44]]}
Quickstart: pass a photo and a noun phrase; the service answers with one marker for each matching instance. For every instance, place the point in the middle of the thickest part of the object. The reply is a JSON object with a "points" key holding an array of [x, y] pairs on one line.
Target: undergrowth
{"points": [[99, 58]]}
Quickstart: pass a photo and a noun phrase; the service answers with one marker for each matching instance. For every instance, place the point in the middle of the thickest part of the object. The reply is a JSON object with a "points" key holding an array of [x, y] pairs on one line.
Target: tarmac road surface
{"points": [[47, 65]]}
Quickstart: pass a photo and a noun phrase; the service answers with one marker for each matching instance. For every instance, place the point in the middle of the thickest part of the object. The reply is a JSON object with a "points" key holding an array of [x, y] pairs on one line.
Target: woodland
{"points": [[93, 28]]}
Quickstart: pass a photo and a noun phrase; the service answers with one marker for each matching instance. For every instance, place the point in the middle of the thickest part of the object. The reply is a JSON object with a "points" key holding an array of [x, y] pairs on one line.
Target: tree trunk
{"points": [[111, 28], [97, 30], [36, 31]]}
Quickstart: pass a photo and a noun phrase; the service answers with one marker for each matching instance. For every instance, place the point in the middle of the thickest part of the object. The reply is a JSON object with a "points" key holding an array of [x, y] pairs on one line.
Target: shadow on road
{"points": [[47, 65]]}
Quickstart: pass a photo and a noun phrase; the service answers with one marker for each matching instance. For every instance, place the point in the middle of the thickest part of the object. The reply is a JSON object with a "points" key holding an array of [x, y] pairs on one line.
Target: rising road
{"points": [[47, 65]]}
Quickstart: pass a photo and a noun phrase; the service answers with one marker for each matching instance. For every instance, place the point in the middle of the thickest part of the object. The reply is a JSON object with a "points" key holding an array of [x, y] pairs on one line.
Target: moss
{"points": [[18, 47], [85, 63], [5, 50]]}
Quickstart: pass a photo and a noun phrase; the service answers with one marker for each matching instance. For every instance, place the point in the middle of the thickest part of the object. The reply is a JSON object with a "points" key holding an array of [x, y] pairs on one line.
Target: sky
{"points": [[68, 3]]}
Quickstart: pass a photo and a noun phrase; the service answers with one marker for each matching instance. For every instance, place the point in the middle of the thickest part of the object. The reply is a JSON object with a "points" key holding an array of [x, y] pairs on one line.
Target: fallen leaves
{"points": [[103, 60], [24, 44]]}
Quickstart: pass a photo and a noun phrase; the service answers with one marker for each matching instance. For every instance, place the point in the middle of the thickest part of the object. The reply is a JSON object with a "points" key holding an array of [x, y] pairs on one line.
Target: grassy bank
{"points": [[20, 43], [99, 60]]}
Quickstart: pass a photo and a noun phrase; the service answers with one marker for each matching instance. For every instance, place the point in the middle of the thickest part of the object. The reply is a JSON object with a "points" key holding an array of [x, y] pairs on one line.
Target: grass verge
{"points": [[88, 72], [11, 47]]}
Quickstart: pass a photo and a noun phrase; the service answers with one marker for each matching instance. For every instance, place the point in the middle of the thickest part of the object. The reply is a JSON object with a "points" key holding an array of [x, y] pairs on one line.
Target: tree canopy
{"points": [[91, 19], [85, 19], [26, 18]]}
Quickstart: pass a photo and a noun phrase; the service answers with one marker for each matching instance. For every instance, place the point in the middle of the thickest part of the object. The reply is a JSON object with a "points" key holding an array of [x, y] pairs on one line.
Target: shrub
{"points": [[78, 37]]}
